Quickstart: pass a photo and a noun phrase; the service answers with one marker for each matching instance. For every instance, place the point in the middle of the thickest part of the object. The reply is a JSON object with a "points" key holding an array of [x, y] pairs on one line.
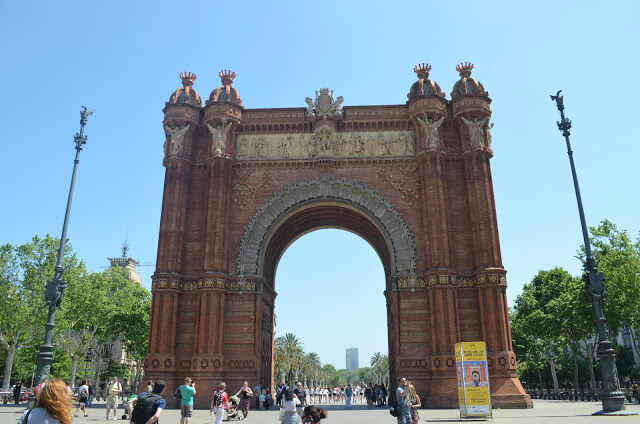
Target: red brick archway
{"points": [[413, 180]]}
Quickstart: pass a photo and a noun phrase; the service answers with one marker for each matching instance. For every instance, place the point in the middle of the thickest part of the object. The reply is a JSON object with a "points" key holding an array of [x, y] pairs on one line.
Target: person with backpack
{"points": [[147, 407], [219, 403], [83, 395], [113, 390]]}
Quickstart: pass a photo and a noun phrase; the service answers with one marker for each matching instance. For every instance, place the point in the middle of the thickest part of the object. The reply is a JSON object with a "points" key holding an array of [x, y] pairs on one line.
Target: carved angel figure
{"points": [[310, 107], [338, 106], [489, 128], [431, 130], [176, 137], [476, 128], [219, 134]]}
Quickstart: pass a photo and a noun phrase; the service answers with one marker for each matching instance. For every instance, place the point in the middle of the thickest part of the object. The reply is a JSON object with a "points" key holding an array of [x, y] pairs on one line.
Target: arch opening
{"points": [[298, 224]]}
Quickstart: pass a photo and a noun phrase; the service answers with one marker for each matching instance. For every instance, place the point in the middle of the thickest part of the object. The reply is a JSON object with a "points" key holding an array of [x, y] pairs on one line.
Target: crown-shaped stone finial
{"points": [[226, 76], [464, 69], [422, 70], [187, 78]]}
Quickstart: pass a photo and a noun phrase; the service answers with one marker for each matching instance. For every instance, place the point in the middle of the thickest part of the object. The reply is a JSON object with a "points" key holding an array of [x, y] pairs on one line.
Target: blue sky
{"points": [[123, 59]]}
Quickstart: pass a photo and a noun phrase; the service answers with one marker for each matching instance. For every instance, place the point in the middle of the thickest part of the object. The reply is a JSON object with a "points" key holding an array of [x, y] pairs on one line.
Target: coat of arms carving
{"points": [[324, 105]]}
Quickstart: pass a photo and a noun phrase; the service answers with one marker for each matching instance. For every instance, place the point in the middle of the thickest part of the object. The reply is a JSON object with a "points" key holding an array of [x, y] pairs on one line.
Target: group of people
{"points": [[371, 394], [53, 403], [294, 406]]}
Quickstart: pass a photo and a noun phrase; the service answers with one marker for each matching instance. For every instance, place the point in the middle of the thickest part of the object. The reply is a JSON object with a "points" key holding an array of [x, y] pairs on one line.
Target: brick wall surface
{"points": [[214, 323]]}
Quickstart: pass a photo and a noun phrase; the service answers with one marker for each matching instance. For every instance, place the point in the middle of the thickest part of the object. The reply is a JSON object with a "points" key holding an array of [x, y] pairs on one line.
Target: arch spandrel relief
{"points": [[328, 187]]}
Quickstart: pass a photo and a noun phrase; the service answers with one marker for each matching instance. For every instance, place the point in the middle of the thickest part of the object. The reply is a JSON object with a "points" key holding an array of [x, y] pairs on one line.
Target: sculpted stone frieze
{"points": [[325, 143]]}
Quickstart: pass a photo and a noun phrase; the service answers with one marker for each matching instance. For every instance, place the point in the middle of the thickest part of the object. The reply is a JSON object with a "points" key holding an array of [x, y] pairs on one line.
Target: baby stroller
{"points": [[234, 413]]}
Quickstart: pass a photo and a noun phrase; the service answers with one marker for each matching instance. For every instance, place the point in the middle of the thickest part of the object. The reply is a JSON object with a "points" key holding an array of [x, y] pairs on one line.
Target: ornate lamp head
{"points": [[464, 69], [422, 70], [187, 78], [226, 76]]}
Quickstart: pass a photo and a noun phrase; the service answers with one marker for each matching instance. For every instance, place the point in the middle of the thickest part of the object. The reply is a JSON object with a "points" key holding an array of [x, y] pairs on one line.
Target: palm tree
{"points": [[380, 365], [288, 354]]}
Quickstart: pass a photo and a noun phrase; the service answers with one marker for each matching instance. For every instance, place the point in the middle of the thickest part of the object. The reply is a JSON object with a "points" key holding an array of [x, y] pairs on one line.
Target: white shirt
{"points": [[83, 390], [290, 405]]}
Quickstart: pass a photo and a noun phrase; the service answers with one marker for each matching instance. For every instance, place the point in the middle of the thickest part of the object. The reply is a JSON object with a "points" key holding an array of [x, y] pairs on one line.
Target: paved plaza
{"points": [[544, 411]]}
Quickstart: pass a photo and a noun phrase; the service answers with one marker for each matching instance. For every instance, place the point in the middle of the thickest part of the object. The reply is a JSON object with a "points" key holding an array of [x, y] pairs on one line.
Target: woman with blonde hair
{"points": [[415, 404], [53, 405]]}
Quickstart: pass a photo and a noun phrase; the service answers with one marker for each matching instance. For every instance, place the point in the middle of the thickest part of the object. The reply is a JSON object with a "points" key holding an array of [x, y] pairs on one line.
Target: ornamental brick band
{"points": [[414, 180]]}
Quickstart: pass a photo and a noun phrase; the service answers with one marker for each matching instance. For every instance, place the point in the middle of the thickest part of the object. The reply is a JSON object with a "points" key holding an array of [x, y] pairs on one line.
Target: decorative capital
{"points": [[464, 69], [187, 78], [422, 70], [226, 76]]}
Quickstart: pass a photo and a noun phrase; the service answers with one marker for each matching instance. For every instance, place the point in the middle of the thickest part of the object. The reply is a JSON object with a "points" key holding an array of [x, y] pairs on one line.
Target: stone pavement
{"points": [[544, 411]]}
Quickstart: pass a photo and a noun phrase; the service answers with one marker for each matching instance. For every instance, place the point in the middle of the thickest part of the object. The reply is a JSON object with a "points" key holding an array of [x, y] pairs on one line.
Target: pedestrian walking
{"points": [[245, 394], [348, 392], [147, 407], [17, 393], [219, 402], [113, 389], [83, 395], [53, 405], [187, 390], [150, 386], [92, 393]]}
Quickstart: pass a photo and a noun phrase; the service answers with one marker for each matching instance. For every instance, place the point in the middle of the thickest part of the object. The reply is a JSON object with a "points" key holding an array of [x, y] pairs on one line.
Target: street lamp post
{"points": [[55, 288], [611, 396]]}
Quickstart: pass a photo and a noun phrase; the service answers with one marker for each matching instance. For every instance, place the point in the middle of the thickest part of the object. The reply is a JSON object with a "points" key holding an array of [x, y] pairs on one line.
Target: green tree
{"points": [[536, 310], [618, 258], [92, 301], [288, 357], [577, 322], [528, 347], [24, 271], [380, 365], [130, 322]]}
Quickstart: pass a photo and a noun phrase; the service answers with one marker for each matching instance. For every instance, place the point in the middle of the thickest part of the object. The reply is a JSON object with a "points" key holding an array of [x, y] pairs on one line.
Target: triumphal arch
{"points": [[412, 179]]}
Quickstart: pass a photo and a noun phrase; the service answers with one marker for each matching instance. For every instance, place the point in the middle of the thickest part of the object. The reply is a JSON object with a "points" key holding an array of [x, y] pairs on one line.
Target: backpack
{"points": [[217, 398], [25, 419], [395, 409], [145, 408], [177, 394]]}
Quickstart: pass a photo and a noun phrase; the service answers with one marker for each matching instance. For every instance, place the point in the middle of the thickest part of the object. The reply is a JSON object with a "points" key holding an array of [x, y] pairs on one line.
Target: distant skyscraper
{"points": [[352, 358]]}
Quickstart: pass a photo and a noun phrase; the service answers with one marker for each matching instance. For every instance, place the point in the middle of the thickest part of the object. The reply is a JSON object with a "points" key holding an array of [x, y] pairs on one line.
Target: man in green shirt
{"points": [[187, 390]]}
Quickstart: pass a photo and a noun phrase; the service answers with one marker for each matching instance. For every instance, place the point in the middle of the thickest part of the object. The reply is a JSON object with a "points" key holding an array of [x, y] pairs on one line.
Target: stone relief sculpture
{"points": [[325, 143], [176, 137], [476, 128], [324, 106], [218, 135], [430, 130]]}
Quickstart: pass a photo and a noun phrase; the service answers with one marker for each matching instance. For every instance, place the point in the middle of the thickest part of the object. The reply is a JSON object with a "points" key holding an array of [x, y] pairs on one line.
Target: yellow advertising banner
{"points": [[474, 394]]}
